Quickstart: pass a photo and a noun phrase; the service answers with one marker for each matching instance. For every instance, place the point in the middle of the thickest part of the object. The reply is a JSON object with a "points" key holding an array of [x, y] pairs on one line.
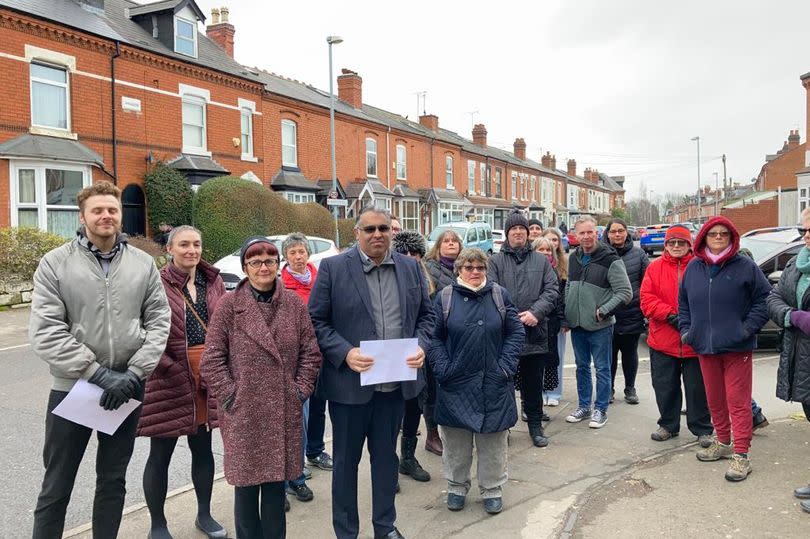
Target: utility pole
{"points": [[726, 188]]}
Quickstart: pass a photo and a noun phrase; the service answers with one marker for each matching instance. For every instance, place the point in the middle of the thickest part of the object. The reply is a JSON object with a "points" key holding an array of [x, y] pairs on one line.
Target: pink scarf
{"points": [[715, 258]]}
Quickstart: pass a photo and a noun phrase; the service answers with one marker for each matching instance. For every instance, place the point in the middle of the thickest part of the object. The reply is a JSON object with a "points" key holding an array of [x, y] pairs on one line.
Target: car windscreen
{"points": [[440, 229], [760, 248]]}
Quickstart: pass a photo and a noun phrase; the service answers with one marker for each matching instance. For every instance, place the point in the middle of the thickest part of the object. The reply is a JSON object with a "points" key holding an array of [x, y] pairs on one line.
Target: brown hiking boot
{"points": [[433, 442], [739, 468], [662, 435], [714, 452]]}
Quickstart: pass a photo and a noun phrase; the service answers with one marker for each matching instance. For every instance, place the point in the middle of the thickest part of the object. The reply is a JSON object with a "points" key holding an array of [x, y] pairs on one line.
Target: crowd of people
{"points": [[261, 363]]}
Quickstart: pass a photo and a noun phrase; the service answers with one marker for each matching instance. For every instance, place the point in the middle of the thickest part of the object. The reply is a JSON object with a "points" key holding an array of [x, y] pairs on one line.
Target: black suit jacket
{"points": [[340, 307]]}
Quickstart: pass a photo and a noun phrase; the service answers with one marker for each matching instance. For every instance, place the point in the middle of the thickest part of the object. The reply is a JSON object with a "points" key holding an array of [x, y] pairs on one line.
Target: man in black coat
{"points": [[532, 284], [367, 293]]}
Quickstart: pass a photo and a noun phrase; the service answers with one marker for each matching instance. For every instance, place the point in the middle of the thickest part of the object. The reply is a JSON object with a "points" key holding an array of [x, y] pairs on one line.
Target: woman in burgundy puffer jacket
{"points": [[176, 403]]}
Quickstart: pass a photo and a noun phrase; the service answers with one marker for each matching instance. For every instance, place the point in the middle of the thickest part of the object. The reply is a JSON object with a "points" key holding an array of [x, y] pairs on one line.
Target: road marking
{"points": [[15, 347]]}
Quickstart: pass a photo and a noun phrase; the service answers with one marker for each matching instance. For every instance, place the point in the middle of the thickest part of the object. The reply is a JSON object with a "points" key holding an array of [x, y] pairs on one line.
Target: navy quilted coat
{"points": [[474, 357]]}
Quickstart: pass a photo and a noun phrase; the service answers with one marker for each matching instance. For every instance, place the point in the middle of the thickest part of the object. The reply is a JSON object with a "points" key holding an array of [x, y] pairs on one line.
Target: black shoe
{"points": [[630, 395], [493, 506], [612, 397], [760, 421], [302, 492], [393, 534], [545, 417], [159, 533], [408, 465], [805, 505], [455, 502], [210, 528], [803, 493], [538, 436], [286, 504], [397, 489]]}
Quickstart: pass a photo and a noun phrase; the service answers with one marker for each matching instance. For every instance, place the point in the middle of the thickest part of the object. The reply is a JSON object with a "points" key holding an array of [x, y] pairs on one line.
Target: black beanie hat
{"points": [[534, 221], [408, 241], [516, 218], [253, 240]]}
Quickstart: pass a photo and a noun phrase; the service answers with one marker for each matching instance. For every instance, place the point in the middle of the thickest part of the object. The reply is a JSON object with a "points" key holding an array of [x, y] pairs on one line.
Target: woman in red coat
{"points": [[175, 402], [670, 360], [261, 361]]}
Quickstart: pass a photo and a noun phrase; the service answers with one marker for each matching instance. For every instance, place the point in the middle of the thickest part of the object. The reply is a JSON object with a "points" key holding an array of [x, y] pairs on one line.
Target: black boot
{"points": [[408, 465], [538, 436]]}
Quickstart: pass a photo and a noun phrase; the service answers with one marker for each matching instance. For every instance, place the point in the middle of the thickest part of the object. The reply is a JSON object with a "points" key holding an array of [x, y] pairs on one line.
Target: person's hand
{"points": [[528, 319], [122, 385], [801, 320], [357, 361], [672, 320], [416, 361], [599, 315], [109, 401]]}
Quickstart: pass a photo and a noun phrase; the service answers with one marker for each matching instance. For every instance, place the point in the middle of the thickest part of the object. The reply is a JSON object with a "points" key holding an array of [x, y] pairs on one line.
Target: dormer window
{"points": [[185, 37]]}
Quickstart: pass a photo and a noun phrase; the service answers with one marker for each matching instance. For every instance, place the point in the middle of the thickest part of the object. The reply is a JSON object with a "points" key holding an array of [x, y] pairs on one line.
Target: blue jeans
{"points": [[596, 345], [755, 408], [301, 478], [556, 393]]}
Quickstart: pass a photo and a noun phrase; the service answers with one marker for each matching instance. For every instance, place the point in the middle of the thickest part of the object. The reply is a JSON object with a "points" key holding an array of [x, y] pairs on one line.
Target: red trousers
{"points": [[727, 378]]}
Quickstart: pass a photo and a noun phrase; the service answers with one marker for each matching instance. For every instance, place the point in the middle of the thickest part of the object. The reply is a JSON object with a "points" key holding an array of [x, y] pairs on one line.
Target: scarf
{"points": [[468, 286], [104, 259], [714, 258], [303, 278], [447, 262], [803, 261], [552, 261]]}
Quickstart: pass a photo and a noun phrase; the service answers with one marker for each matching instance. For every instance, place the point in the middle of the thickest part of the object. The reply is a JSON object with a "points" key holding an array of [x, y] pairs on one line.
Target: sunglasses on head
{"points": [[371, 229]]}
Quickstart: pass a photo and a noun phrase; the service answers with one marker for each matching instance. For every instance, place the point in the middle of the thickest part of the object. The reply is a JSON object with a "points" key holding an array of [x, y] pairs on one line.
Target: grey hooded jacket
{"points": [[82, 319]]}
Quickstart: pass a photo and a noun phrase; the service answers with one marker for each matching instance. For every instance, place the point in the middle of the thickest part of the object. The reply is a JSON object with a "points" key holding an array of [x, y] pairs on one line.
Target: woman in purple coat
{"points": [[261, 361], [176, 403]]}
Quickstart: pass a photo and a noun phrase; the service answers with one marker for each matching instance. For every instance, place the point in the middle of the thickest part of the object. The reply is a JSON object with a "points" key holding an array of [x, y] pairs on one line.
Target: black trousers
{"points": [[667, 372], [377, 423], [410, 421], [430, 400], [628, 346], [316, 426], [65, 443], [531, 388], [259, 511]]}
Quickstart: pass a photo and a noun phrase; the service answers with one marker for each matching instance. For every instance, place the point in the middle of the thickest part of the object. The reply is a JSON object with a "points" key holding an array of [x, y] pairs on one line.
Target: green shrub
{"points": [[168, 197], [346, 227], [21, 249], [313, 220]]}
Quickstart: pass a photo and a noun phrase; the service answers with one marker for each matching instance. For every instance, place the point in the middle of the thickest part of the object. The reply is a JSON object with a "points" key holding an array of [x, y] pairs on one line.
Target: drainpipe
{"points": [[387, 159], [112, 110], [432, 140]]}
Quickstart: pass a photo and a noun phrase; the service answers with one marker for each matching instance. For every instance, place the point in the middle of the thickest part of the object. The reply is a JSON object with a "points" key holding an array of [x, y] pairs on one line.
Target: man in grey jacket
{"points": [[597, 286], [532, 284], [99, 313]]}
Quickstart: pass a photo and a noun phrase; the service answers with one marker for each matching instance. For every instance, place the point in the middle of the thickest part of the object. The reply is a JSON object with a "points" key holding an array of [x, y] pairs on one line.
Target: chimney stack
{"points": [[793, 139], [431, 121], [572, 167], [220, 31], [479, 134], [545, 160], [553, 162], [350, 88], [520, 149]]}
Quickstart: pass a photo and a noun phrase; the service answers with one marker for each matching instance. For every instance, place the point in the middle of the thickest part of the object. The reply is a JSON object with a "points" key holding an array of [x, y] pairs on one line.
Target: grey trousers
{"points": [[491, 450]]}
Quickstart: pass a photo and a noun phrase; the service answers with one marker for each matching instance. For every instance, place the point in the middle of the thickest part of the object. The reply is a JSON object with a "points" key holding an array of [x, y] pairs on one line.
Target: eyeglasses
{"points": [[470, 269], [802, 231], [723, 234], [256, 264], [677, 243], [371, 229]]}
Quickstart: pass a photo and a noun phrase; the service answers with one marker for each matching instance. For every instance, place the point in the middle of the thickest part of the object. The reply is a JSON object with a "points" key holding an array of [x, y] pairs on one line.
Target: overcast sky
{"points": [[619, 85]]}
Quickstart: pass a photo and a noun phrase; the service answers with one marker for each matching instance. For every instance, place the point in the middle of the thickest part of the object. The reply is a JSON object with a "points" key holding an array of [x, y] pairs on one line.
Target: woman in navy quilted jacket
{"points": [[175, 402], [474, 356]]}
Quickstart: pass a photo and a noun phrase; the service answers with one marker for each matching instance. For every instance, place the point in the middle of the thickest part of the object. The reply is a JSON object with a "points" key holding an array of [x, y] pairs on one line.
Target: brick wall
{"points": [[781, 172], [751, 216]]}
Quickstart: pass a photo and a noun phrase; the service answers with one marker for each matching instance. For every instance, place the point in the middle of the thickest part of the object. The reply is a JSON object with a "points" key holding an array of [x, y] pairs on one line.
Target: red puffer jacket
{"points": [[168, 406], [303, 290], [659, 299]]}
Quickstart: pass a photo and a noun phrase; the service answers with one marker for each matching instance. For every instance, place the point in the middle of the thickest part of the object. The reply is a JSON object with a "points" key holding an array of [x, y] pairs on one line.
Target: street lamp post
{"points": [[333, 40], [697, 139]]}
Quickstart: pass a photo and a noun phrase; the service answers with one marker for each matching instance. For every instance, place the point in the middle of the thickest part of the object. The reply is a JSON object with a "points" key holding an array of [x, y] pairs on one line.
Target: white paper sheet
{"points": [[389, 361], [81, 406]]}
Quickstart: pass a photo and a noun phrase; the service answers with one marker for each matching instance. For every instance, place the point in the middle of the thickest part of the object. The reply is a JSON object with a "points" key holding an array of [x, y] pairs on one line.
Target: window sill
{"points": [[51, 132], [250, 158], [197, 151]]}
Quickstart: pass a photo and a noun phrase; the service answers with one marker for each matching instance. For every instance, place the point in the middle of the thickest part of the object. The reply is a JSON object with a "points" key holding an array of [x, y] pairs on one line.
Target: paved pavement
{"points": [[588, 483]]}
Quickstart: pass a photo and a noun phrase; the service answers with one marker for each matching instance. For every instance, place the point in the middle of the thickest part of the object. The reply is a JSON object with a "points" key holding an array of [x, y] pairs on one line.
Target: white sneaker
{"points": [[553, 402], [578, 415], [598, 419]]}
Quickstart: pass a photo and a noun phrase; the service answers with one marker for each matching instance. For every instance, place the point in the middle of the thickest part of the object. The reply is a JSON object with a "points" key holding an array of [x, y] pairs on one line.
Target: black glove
{"points": [[122, 385], [109, 401], [672, 320]]}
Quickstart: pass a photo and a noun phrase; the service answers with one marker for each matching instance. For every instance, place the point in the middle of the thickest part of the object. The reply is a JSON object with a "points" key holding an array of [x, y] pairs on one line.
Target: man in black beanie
{"points": [[532, 284]]}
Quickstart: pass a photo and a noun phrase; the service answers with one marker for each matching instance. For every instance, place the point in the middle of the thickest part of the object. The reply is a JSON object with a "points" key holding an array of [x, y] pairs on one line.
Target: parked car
{"points": [[573, 242], [231, 270], [600, 232], [498, 238], [653, 239], [772, 250], [475, 234], [633, 233]]}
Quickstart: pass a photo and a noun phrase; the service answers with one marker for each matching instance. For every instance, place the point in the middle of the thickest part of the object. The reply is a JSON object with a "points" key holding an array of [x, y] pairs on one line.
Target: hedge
{"points": [[21, 249], [168, 197], [346, 227]]}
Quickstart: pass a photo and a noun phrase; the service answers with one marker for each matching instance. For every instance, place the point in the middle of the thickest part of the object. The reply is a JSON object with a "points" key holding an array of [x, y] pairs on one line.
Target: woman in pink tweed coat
{"points": [[260, 363]]}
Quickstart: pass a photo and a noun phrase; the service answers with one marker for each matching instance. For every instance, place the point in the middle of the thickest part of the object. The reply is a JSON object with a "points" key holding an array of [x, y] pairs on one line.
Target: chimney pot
{"points": [[350, 88], [220, 31], [479, 134], [224, 11], [545, 160], [553, 162], [214, 15]]}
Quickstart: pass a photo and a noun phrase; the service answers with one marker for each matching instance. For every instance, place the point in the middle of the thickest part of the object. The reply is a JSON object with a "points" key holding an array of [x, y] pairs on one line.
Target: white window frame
{"points": [[193, 99], [804, 199], [177, 36], [482, 169], [369, 153], [449, 212], [407, 222], [66, 85], [402, 162], [514, 185], [471, 176], [40, 204], [299, 198], [448, 171], [499, 182], [247, 147], [287, 144]]}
